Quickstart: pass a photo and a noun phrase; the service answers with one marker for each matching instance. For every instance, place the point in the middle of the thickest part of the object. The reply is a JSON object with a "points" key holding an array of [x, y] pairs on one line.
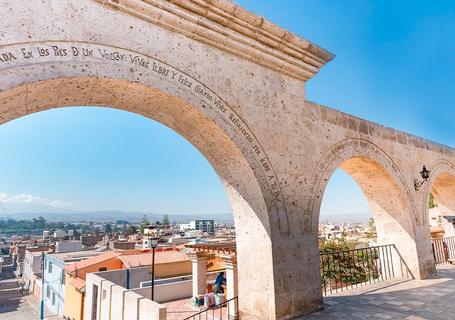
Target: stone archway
{"points": [[388, 196], [214, 136], [442, 185]]}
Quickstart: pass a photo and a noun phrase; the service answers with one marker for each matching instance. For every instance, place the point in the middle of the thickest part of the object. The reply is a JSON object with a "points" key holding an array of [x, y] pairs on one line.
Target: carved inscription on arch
{"points": [[20, 55], [340, 152]]}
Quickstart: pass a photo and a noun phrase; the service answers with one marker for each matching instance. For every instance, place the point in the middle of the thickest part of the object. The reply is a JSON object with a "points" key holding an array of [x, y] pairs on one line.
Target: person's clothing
{"points": [[220, 279], [217, 288], [218, 285]]}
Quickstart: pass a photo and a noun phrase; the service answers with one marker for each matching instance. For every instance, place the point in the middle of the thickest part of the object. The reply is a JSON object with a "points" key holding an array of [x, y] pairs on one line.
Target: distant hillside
{"points": [[345, 217], [112, 215]]}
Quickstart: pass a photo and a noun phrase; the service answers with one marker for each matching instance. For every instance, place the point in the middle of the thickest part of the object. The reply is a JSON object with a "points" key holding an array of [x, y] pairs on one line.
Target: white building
{"points": [[59, 234], [32, 266], [184, 226], [1, 265], [441, 222], [68, 246]]}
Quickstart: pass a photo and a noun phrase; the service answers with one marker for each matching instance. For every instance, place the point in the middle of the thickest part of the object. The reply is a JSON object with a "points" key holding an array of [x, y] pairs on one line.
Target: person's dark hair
{"points": [[222, 273]]}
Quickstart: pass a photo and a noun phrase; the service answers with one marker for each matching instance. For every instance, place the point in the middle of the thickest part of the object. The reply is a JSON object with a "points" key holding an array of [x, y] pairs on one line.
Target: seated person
{"points": [[218, 285]]}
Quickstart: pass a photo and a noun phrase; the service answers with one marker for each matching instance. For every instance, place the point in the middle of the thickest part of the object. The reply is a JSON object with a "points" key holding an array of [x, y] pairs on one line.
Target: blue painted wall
{"points": [[54, 288]]}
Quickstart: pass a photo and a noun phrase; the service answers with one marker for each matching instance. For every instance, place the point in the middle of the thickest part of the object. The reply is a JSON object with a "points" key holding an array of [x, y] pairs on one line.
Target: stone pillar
{"points": [[199, 263], [231, 284]]}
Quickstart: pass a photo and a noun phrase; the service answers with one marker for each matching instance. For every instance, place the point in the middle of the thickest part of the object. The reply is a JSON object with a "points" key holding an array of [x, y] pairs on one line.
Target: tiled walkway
{"points": [[180, 309], [432, 299]]}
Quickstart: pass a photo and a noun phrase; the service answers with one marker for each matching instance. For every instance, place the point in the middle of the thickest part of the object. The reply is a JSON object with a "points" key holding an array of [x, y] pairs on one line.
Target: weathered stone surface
{"points": [[232, 84]]}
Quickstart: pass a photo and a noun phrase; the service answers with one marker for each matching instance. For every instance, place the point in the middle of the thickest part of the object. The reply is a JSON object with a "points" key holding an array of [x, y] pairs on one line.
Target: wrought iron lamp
{"points": [[425, 174], [153, 241]]}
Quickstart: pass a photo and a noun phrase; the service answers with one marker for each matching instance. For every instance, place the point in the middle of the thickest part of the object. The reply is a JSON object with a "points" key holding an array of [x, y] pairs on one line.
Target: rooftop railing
{"points": [[443, 250], [227, 310], [349, 269]]}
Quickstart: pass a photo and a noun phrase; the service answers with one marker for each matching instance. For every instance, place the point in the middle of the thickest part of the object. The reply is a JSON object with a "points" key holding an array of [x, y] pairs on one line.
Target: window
{"points": [[49, 267], [94, 302], [63, 277], [102, 269], [48, 292], [104, 294], [53, 298]]}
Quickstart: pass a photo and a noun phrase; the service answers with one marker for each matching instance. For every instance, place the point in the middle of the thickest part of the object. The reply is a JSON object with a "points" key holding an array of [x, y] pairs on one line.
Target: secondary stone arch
{"points": [[442, 184], [344, 151], [383, 186]]}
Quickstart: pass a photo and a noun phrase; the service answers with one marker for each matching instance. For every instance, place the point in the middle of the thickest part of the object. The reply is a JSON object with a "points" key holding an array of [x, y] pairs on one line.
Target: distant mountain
{"points": [[112, 215], [345, 217], [13, 207]]}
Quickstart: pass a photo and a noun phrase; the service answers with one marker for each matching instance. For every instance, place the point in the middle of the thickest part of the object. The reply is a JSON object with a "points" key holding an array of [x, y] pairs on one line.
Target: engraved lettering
{"points": [[184, 80], [27, 54], [113, 56], [138, 61], [59, 52], [160, 69], [203, 92], [75, 51], [7, 56], [43, 52]]}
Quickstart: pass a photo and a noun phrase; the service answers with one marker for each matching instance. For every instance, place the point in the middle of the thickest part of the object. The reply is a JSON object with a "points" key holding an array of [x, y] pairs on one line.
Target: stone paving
{"points": [[431, 299], [13, 304]]}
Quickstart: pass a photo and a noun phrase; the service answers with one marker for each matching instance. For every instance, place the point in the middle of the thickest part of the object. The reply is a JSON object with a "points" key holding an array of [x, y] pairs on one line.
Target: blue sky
{"points": [[394, 64]]}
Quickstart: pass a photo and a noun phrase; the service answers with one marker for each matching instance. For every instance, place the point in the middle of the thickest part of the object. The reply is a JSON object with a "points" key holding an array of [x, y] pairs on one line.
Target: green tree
{"points": [[108, 228], [341, 265], [166, 220], [372, 233], [131, 229], [432, 203], [144, 223]]}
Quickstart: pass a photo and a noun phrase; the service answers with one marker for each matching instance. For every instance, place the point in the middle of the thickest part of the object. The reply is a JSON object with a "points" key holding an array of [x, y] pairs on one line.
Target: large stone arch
{"points": [[138, 83], [385, 189]]}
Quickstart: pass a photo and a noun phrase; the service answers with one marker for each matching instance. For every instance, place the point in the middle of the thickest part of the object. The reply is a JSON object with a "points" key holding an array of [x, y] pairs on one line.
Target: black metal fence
{"points": [[227, 310], [345, 270], [443, 249]]}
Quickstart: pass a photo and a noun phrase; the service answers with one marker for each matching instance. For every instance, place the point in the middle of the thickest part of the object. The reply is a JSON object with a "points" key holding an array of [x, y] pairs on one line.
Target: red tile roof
{"points": [[145, 259]]}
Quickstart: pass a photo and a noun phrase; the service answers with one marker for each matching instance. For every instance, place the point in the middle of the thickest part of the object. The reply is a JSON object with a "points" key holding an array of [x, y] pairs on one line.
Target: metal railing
{"points": [[346, 270], [227, 310], [443, 249]]}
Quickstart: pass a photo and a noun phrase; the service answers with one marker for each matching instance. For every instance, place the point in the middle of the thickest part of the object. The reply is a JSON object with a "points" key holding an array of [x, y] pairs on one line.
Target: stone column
{"points": [[231, 284], [199, 263]]}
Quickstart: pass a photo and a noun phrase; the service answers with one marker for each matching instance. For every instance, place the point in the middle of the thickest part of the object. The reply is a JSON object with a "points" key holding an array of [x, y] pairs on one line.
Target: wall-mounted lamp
{"points": [[425, 174]]}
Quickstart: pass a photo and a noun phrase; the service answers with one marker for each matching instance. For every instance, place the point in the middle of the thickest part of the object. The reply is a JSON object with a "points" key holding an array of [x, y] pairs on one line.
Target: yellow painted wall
{"points": [[111, 264], [174, 269], [74, 301]]}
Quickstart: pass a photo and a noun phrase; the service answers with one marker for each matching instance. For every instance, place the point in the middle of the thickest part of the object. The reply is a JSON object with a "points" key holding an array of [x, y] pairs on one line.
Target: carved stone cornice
{"points": [[227, 26]]}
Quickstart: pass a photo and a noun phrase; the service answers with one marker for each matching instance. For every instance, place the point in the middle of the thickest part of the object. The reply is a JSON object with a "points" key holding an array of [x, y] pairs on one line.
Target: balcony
{"points": [[395, 299]]}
